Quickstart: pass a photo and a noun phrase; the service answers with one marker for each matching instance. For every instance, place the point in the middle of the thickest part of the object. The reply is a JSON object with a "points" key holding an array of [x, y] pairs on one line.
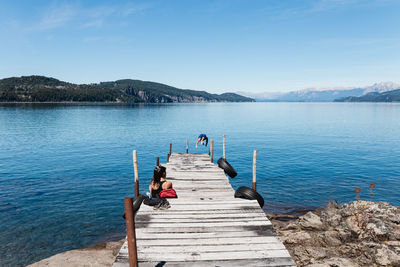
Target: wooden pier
{"points": [[205, 225]]}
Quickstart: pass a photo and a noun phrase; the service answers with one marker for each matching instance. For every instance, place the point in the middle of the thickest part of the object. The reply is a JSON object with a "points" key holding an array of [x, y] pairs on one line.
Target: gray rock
{"points": [[333, 220], [296, 237], [311, 221], [291, 226], [352, 223], [331, 238], [386, 257], [344, 235], [333, 262], [317, 253]]}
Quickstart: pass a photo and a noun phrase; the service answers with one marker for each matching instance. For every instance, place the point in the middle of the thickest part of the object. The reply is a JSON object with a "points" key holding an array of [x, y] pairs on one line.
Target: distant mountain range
{"points": [[323, 94], [389, 96], [46, 89]]}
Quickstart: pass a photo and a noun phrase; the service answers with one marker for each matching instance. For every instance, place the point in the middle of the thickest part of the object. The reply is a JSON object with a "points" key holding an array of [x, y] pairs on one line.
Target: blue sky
{"points": [[217, 46]]}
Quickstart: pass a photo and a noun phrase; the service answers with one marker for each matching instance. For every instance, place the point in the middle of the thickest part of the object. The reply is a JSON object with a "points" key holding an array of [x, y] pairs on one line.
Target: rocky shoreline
{"points": [[99, 255], [359, 233]]}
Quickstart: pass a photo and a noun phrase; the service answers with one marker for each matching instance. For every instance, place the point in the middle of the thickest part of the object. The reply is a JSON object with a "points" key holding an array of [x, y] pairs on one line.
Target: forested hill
{"points": [[45, 89], [389, 96]]}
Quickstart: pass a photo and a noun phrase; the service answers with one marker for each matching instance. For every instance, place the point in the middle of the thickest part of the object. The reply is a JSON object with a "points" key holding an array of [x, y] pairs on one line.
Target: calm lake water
{"points": [[65, 169]]}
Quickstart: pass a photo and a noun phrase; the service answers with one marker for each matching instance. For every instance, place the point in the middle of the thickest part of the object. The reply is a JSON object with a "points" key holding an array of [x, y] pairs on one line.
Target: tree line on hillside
{"points": [[46, 89]]}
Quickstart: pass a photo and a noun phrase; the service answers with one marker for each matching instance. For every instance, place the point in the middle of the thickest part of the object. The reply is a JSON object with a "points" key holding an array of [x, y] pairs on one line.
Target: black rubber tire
{"points": [[228, 169], [249, 193]]}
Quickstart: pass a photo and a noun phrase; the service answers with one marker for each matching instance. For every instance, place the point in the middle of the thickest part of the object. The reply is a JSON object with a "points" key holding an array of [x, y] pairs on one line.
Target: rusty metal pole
{"points": [[130, 232], [212, 150], [135, 167], [254, 169], [158, 161], [187, 146], [168, 157], [170, 148]]}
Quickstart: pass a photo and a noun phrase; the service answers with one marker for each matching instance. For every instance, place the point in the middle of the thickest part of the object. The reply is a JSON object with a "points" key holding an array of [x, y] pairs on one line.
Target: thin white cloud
{"points": [[90, 39], [93, 23], [358, 42], [324, 5], [314, 6], [56, 16], [130, 9]]}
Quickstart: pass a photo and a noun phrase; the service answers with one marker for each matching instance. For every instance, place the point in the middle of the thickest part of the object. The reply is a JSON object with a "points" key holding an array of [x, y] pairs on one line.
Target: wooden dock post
{"points": [[170, 152], [212, 150], [135, 168], [130, 230], [158, 161], [187, 146], [254, 169], [223, 147]]}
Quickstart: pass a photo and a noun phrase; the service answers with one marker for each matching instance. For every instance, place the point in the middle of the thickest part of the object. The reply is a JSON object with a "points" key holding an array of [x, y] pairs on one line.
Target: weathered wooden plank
{"points": [[193, 163], [195, 176], [179, 201], [281, 262], [204, 224], [196, 173], [200, 188], [197, 220], [219, 255], [205, 247], [206, 194], [204, 179], [194, 216], [234, 201], [193, 168], [210, 248], [259, 229], [191, 211], [219, 184], [206, 197], [204, 207], [222, 186], [200, 180], [140, 234], [198, 183], [210, 241]]}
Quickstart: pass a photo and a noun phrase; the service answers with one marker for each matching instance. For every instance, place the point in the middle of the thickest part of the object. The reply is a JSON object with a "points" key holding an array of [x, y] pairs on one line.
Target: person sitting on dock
{"points": [[202, 138], [159, 183]]}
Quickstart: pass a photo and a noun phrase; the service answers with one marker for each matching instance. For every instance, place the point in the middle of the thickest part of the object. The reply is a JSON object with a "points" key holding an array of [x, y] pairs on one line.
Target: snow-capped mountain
{"points": [[321, 94]]}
